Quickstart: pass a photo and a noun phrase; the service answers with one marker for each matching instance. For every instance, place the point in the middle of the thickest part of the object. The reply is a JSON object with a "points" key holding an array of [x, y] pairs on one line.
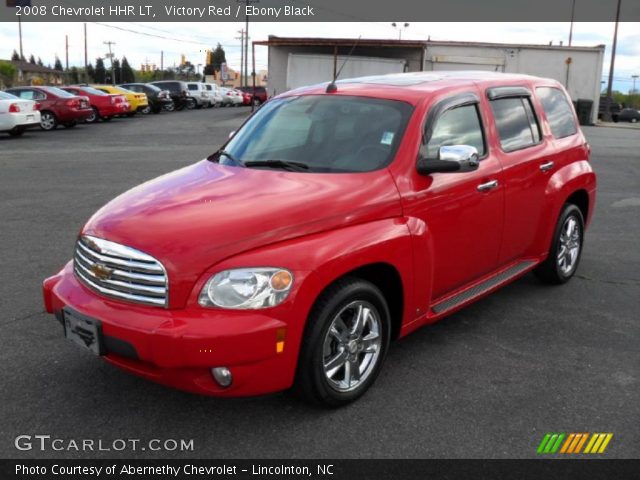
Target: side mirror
{"points": [[451, 158], [232, 133]]}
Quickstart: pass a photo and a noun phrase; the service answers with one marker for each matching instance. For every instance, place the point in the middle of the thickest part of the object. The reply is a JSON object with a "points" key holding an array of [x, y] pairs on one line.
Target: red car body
{"points": [[107, 106], [67, 110], [438, 234]]}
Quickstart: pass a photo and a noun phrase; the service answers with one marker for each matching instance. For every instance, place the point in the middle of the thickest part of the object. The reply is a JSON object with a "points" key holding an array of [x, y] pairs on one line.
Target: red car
{"points": [[336, 219], [258, 94], [56, 106], [105, 106]]}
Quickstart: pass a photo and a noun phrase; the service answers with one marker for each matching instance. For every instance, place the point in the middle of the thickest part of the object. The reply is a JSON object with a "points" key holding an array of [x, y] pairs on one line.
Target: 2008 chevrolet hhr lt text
{"points": [[335, 220]]}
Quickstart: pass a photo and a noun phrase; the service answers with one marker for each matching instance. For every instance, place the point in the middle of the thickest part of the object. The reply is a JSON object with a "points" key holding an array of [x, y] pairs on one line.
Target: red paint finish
{"points": [[66, 109], [105, 104], [437, 232]]}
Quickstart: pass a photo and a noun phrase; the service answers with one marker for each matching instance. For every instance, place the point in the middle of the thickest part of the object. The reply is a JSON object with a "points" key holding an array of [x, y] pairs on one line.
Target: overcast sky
{"points": [[141, 42]]}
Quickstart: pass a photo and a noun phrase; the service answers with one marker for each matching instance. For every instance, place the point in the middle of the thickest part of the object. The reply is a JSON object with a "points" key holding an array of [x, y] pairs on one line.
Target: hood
{"points": [[197, 216]]}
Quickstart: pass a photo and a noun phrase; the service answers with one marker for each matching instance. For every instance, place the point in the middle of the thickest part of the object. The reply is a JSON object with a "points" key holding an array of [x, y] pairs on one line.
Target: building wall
{"points": [[279, 58], [578, 69]]}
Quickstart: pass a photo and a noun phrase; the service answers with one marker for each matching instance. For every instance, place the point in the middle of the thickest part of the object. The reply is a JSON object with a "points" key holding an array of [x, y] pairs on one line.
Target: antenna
{"points": [[332, 87]]}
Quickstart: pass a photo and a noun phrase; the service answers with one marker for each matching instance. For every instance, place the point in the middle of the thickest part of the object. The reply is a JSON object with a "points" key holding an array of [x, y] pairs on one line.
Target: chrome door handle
{"points": [[546, 166], [485, 187]]}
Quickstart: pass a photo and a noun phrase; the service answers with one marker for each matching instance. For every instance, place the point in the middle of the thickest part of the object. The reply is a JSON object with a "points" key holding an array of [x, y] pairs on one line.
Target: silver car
{"points": [[198, 92]]}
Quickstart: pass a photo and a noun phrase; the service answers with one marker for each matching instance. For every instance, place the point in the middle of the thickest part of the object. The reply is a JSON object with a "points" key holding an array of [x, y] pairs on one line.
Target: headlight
{"points": [[247, 288]]}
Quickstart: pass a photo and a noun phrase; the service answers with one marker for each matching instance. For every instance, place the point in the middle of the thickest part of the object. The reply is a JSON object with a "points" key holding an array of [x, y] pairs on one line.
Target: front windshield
{"points": [[326, 133]]}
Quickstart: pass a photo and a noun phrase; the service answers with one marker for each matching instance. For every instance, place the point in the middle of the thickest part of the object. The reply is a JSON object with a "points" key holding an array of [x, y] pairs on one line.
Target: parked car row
{"points": [[27, 107]]}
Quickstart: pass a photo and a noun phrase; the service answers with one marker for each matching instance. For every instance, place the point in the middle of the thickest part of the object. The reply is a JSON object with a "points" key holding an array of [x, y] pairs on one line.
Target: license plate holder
{"points": [[83, 331]]}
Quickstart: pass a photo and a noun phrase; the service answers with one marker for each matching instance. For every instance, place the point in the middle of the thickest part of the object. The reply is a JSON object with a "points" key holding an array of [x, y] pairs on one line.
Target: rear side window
{"points": [[516, 122], [558, 111], [192, 86], [458, 126]]}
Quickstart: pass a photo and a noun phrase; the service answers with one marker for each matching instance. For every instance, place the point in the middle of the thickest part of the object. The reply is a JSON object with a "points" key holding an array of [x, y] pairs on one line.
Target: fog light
{"points": [[222, 375]]}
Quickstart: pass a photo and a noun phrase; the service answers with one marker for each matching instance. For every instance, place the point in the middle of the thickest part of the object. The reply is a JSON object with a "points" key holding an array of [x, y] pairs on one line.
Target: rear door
{"points": [[527, 159]]}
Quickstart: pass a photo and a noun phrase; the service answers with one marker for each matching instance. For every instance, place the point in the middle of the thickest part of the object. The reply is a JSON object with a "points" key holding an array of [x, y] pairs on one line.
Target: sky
{"points": [[143, 42]]}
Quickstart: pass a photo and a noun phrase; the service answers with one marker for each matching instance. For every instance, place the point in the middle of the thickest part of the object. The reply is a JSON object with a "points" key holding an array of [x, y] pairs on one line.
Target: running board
{"points": [[482, 287]]}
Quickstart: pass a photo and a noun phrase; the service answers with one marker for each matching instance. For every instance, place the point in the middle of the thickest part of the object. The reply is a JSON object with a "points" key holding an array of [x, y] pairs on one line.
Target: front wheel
{"points": [[16, 131], [146, 110], [345, 343], [191, 104], [564, 255]]}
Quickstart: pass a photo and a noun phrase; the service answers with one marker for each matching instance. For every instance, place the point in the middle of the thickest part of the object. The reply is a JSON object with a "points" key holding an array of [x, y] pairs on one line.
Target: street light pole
{"points": [[635, 77], [573, 11], [400, 28], [607, 113], [113, 78]]}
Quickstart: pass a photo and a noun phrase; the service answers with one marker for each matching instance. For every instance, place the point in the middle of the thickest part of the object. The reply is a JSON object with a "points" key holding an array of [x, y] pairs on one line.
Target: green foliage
{"points": [[58, 65], [218, 58], [126, 74], [100, 72], [40, 62], [90, 73], [32, 60], [15, 57], [74, 75], [7, 73]]}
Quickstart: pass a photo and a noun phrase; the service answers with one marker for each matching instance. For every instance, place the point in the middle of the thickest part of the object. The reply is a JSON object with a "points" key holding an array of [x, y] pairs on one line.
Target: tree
{"points": [[218, 57], [7, 73], [117, 73], [127, 75], [58, 65], [100, 72], [32, 60], [15, 57], [74, 76], [91, 73], [40, 62]]}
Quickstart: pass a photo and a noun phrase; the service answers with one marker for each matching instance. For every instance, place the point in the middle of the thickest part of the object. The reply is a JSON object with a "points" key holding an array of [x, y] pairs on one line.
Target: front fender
{"points": [[318, 260]]}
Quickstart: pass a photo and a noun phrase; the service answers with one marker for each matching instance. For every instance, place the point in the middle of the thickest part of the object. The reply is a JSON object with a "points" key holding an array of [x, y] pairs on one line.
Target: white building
{"points": [[294, 62]]}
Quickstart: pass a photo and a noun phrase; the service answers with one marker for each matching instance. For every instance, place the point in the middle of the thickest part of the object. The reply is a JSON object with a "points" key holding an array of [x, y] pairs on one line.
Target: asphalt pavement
{"points": [[487, 382]]}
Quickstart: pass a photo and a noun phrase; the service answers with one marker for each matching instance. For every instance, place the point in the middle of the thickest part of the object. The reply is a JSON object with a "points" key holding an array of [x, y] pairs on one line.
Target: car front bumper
{"points": [[178, 348]]}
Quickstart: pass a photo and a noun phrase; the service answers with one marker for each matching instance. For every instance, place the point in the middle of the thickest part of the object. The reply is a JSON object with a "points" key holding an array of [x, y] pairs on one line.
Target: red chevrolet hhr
{"points": [[336, 219]]}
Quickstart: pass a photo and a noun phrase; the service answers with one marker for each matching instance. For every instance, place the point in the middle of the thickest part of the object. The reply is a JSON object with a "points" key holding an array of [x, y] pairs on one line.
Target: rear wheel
{"points": [[634, 120], [191, 104], [48, 121], [345, 343], [564, 255], [16, 131], [94, 117]]}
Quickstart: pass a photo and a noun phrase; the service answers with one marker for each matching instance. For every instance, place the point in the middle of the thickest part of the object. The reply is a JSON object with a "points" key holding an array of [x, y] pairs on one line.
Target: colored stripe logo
{"points": [[572, 443]]}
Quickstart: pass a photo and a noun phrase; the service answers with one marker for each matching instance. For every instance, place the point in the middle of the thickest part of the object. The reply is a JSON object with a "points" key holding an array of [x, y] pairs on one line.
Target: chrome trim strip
{"points": [[121, 263], [115, 293], [129, 287], [124, 275]]}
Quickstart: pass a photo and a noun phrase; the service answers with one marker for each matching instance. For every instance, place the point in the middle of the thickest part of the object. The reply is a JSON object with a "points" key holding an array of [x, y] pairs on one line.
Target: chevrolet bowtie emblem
{"points": [[101, 271]]}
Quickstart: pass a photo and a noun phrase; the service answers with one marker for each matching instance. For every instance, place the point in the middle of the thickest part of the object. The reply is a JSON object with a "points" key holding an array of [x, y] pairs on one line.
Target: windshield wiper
{"points": [[224, 153], [285, 164]]}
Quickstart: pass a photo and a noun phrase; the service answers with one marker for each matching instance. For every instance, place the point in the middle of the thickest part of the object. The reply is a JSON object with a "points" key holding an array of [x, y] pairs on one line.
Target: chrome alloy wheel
{"points": [[352, 346], [47, 121], [569, 245]]}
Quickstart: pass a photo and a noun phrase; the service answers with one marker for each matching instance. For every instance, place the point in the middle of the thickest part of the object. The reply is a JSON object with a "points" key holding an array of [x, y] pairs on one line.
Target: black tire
{"points": [[16, 131], [146, 110], [94, 117], [311, 383], [191, 104], [551, 271], [48, 121]]}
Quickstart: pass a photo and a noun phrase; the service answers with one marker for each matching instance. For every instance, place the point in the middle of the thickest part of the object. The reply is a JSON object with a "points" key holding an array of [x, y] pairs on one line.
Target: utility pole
{"points": [[634, 77], [607, 114], [246, 41], [573, 11], [66, 52], [113, 77], [86, 62], [20, 34], [241, 38]]}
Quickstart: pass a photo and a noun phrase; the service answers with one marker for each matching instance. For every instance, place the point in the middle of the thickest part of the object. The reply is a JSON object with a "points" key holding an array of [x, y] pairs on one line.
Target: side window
{"points": [[558, 111], [458, 126], [516, 121], [26, 94]]}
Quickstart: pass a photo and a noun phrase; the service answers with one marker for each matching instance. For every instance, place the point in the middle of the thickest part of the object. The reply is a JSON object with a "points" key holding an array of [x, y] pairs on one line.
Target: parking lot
{"points": [[487, 382]]}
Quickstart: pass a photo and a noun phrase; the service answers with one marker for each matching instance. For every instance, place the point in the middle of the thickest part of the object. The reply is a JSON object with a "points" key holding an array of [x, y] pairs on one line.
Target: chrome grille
{"points": [[118, 271]]}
